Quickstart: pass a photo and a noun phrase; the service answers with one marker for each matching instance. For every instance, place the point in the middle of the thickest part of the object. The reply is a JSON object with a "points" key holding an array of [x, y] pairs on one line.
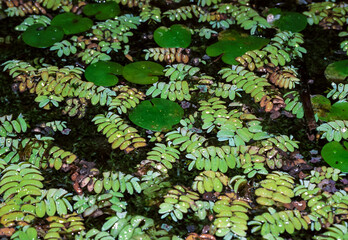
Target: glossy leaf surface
{"points": [[233, 45], [336, 155], [176, 36], [337, 71], [72, 23], [102, 11], [103, 73], [41, 37], [143, 72], [156, 114], [291, 21]]}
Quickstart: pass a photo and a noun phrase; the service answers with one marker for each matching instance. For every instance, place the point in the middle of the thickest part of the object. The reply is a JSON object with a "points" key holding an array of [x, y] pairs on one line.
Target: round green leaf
{"points": [[177, 36], [336, 155], [37, 35], [321, 106], [102, 11], [156, 114], [143, 72], [103, 73], [339, 111], [337, 71], [232, 45], [72, 23], [291, 21]]}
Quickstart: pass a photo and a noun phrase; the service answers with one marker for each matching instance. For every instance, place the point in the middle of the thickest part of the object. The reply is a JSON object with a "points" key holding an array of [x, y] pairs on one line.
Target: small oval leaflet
{"points": [[143, 72], [156, 114], [176, 36], [103, 73], [71, 23], [37, 35]]}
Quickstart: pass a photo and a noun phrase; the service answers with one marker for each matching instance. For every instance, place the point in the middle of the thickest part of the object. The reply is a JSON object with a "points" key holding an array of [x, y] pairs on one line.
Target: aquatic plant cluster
{"points": [[184, 91]]}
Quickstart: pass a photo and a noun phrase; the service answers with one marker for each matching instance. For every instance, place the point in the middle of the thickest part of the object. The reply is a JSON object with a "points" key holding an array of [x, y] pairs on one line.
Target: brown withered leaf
{"points": [[77, 188], [209, 196], [74, 176], [205, 229], [301, 205], [192, 236], [6, 231], [207, 237]]}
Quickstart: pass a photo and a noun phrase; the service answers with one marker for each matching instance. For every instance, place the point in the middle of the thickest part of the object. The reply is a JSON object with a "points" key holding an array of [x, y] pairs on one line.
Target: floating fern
{"points": [[119, 133], [335, 130]]}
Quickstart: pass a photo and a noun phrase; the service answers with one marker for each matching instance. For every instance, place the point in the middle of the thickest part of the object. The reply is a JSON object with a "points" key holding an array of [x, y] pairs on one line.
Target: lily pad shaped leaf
{"points": [[102, 11], [143, 72], [177, 36], [321, 106], [336, 155], [156, 114], [337, 71], [291, 21], [327, 112], [37, 35], [339, 111], [232, 46], [72, 23], [103, 73]]}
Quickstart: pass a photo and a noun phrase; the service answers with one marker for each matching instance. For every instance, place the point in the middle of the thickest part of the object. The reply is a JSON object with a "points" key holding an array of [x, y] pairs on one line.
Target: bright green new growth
{"points": [[37, 35], [102, 11], [143, 72], [71, 23], [176, 36], [156, 114], [103, 73]]}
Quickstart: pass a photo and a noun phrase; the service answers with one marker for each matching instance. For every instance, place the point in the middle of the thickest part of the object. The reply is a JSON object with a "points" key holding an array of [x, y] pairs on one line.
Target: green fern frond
{"points": [[294, 104], [339, 91], [209, 181], [177, 202], [150, 13], [31, 20], [273, 223], [184, 13], [231, 216], [185, 138], [336, 232], [119, 133], [173, 90], [126, 99], [334, 130]]}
